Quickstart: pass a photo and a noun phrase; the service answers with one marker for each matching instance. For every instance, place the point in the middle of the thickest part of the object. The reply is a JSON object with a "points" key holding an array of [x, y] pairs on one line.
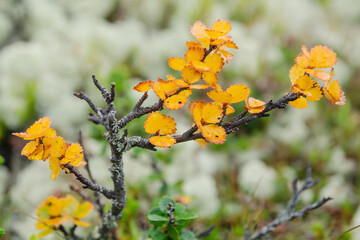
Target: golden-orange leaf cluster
{"points": [[46, 145]]}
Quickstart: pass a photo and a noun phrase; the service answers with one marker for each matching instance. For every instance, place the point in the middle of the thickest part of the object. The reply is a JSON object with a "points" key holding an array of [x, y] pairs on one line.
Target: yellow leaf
{"points": [[54, 165], [222, 26], [254, 105], [164, 88], [214, 133], [143, 86], [176, 63], [200, 66], [229, 110], [210, 78], [322, 57], [190, 75], [238, 92], [226, 54], [307, 87], [74, 153], [194, 54], [83, 210], [162, 141], [230, 44], [175, 102], [211, 113], [202, 142], [220, 96], [214, 62], [295, 72], [159, 123], [181, 83], [58, 147], [193, 44], [199, 86], [319, 74], [213, 34], [30, 148], [196, 110], [198, 31], [334, 93], [37, 130], [302, 61], [299, 103]]}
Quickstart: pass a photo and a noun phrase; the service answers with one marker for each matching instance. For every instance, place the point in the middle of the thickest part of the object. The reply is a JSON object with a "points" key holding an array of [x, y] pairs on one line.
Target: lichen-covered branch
{"points": [[88, 184], [289, 213]]}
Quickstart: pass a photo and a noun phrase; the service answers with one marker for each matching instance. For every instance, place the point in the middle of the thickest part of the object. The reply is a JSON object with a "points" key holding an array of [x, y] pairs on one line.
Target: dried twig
{"points": [[290, 214]]}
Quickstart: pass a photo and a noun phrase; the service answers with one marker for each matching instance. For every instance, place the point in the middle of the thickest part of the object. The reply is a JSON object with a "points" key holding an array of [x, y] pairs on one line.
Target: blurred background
{"points": [[49, 49]]}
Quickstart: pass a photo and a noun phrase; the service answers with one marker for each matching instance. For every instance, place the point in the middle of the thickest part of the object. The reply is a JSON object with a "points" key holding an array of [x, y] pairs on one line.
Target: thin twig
{"points": [[206, 232], [140, 102], [99, 205], [83, 96], [90, 185], [290, 214], [100, 87]]}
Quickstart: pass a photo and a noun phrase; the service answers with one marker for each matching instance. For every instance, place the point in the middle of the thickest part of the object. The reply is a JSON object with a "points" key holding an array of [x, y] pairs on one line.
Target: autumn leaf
{"points": [[159, 123]]}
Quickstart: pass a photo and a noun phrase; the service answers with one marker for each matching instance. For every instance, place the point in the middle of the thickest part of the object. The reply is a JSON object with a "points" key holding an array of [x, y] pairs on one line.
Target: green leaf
{"points": [[187, 235], [2, 231], [152, 232], [187, 216], [157, 218], [2, 160], [173, 232], [159, 236], [34, 237], [164, 202], [179, 209]]}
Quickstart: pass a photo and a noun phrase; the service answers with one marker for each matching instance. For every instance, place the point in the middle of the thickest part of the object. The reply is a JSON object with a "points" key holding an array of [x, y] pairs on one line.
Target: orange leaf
{"points": [[230, 44], [199, 86], [175, 102], [194, 54], [159, 123], [334, 93], [322, 57], [162, 141], [299, 103], [222, 26], [37, 130], [220, 96], [295, 72], [254, 105], [229, 110], [214, 133], [190, 75], [211, 79], [214, 62], [213, 34], [164, 88], [226, 54], [30, 148], [202, 142], [319, 74], [143, 86], [211, 113], [176, 63], [181, 83], [193, 44], [200, 66], [58, 147], [239, 92], [74, 154], [198, 31], [307, 87]]}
